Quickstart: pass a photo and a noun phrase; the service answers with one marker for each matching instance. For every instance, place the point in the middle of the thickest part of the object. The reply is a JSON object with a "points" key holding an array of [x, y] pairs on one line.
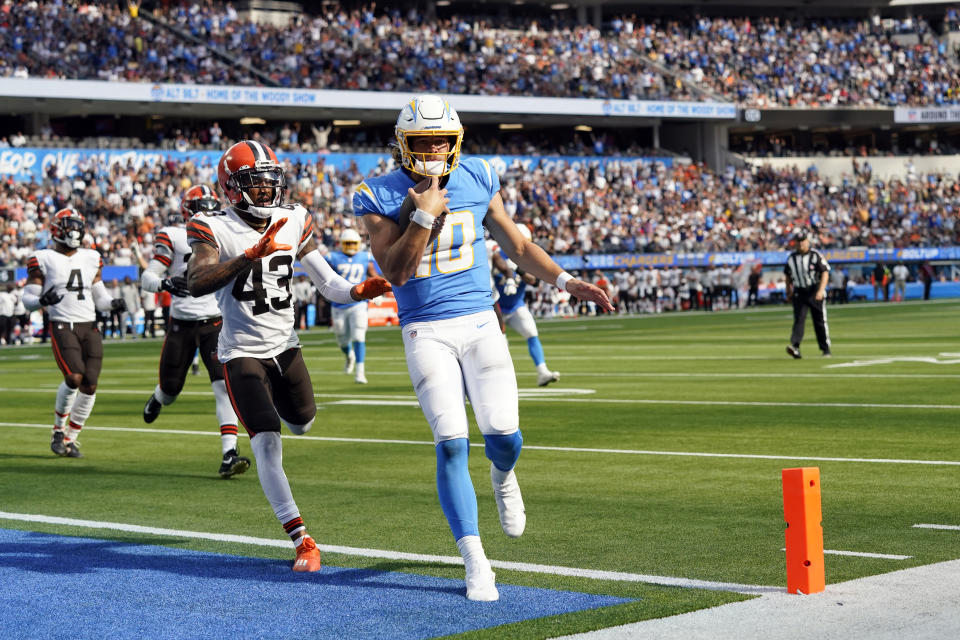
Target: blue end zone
{"points": [[60, 587]]}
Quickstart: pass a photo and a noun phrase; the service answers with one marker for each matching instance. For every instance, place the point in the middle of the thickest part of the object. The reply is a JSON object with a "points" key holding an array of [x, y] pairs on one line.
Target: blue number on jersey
{"points": [[453, 278], [352, 268]]}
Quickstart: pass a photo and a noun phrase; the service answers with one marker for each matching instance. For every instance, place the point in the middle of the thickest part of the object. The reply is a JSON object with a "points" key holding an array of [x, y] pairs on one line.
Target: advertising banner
{"points": [[278, 97], [32, 163]]}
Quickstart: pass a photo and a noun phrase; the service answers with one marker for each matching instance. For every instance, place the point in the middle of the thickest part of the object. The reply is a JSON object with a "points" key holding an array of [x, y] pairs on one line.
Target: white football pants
{"points": [[452, 359], [350, 324]]}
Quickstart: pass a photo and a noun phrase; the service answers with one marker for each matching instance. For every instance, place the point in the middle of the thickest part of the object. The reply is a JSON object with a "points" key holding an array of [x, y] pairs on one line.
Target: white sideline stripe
{"points": [[379, 403], [745, 403], [556, 390], [863, 554], [398, 555], [639, 452], [946, 527], [829, 375]]}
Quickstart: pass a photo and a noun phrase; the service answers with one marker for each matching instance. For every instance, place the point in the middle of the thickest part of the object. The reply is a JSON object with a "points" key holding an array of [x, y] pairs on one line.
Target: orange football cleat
{"points": [[308, 556]]}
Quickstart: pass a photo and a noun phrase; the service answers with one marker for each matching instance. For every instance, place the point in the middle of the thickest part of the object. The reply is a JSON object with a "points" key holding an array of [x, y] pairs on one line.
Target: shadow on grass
{"points": [[88, 466]]}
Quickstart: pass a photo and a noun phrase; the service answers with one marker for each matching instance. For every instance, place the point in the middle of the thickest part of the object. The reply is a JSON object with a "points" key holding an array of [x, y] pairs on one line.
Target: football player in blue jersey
{"points": [[433, 252], [350, 320], [511, 283]]}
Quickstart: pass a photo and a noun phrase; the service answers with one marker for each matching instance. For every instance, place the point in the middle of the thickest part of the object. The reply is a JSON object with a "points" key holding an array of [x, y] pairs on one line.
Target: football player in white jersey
{"points": [[66, 280], [434, 254], [350, 320], [194, 324], [244, 255]]}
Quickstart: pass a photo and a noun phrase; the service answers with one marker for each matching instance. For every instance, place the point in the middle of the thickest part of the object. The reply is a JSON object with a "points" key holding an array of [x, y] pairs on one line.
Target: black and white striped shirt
{"points": [[804, 269]]}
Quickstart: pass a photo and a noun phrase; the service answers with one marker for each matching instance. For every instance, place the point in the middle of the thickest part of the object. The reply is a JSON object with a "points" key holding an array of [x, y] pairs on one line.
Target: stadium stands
{"points": [[758, 61], [628, 207]]}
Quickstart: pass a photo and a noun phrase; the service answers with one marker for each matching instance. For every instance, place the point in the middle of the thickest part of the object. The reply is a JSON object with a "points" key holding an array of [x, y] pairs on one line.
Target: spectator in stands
{"points": [[761, 61], [927, 274]]}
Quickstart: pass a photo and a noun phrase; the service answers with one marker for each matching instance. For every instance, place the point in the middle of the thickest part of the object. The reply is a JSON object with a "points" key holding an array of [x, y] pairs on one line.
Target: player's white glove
{"points": [[509, 286]]}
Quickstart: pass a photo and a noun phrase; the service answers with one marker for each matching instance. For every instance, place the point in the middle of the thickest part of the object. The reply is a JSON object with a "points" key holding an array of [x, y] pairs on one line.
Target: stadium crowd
{"points": [[580, 209], [762, 61], [624, 207]]}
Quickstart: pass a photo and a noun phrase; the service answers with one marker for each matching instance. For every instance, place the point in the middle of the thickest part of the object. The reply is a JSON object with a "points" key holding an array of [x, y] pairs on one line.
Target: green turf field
{"points": [[613, 471]]}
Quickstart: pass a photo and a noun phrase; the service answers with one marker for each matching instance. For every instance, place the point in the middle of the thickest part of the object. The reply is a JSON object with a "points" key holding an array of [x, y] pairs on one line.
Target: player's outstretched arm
{"points": [[331, 284], [534, 260], [582, 290]]}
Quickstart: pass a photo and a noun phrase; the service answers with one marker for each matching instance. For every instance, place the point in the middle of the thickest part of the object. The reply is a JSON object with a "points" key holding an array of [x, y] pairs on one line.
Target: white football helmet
{"points": [[350, 242], [428, 115]]}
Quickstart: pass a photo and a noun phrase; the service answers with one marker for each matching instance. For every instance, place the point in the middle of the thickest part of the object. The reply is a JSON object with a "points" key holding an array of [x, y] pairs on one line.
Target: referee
{"points": [[807, 274]]}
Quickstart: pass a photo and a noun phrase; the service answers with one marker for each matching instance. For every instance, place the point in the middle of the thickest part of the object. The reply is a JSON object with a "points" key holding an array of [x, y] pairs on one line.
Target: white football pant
{"points": [[455, 358], [522, 322], [350, 324]]}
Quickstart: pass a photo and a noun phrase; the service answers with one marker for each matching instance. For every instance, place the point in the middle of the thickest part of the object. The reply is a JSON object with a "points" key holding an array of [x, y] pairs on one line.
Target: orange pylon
{"points": [[801, 510]]}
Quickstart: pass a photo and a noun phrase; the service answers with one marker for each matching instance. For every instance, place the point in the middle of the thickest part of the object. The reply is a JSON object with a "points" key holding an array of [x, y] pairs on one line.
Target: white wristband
{"points": [[423, 219], [563, 279]]}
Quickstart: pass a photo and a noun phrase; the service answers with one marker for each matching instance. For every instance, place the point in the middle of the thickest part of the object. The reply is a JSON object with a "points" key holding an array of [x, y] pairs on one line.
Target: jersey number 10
{"points": [[453, 249]]}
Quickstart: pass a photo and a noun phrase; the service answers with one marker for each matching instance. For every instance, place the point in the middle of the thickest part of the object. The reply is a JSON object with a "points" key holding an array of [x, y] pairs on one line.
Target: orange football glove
{"points": [[266, 245], [370, 288]]}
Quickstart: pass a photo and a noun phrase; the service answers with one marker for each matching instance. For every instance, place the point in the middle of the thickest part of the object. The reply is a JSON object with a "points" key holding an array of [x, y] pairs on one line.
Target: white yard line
{"points": [[552, 396], [945, 527], [864, 554], [825, 376], [593, 574], [425, 443]]}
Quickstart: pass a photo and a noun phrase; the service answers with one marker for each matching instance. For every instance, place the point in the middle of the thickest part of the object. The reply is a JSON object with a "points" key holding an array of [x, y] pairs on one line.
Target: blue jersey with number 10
{"points": [[453, 278], [352, 268]]}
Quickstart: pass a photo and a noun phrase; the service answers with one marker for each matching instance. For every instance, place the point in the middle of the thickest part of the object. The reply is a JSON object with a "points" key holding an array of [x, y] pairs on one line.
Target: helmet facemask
{"points": [[200, 205], [350, 242], [429, 163], [271, 179], [71, 232]]}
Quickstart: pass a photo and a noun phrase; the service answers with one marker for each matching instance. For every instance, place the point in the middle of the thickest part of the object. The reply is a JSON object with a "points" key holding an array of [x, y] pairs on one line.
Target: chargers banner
{"points": [[633, 260], [29, 163]]}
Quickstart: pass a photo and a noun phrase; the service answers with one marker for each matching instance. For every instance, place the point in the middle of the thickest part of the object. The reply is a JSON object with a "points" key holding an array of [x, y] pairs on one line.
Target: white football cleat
{"points": [[546, 377], [506, 490], [481, 581], [351, 362], [360, 379]]}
